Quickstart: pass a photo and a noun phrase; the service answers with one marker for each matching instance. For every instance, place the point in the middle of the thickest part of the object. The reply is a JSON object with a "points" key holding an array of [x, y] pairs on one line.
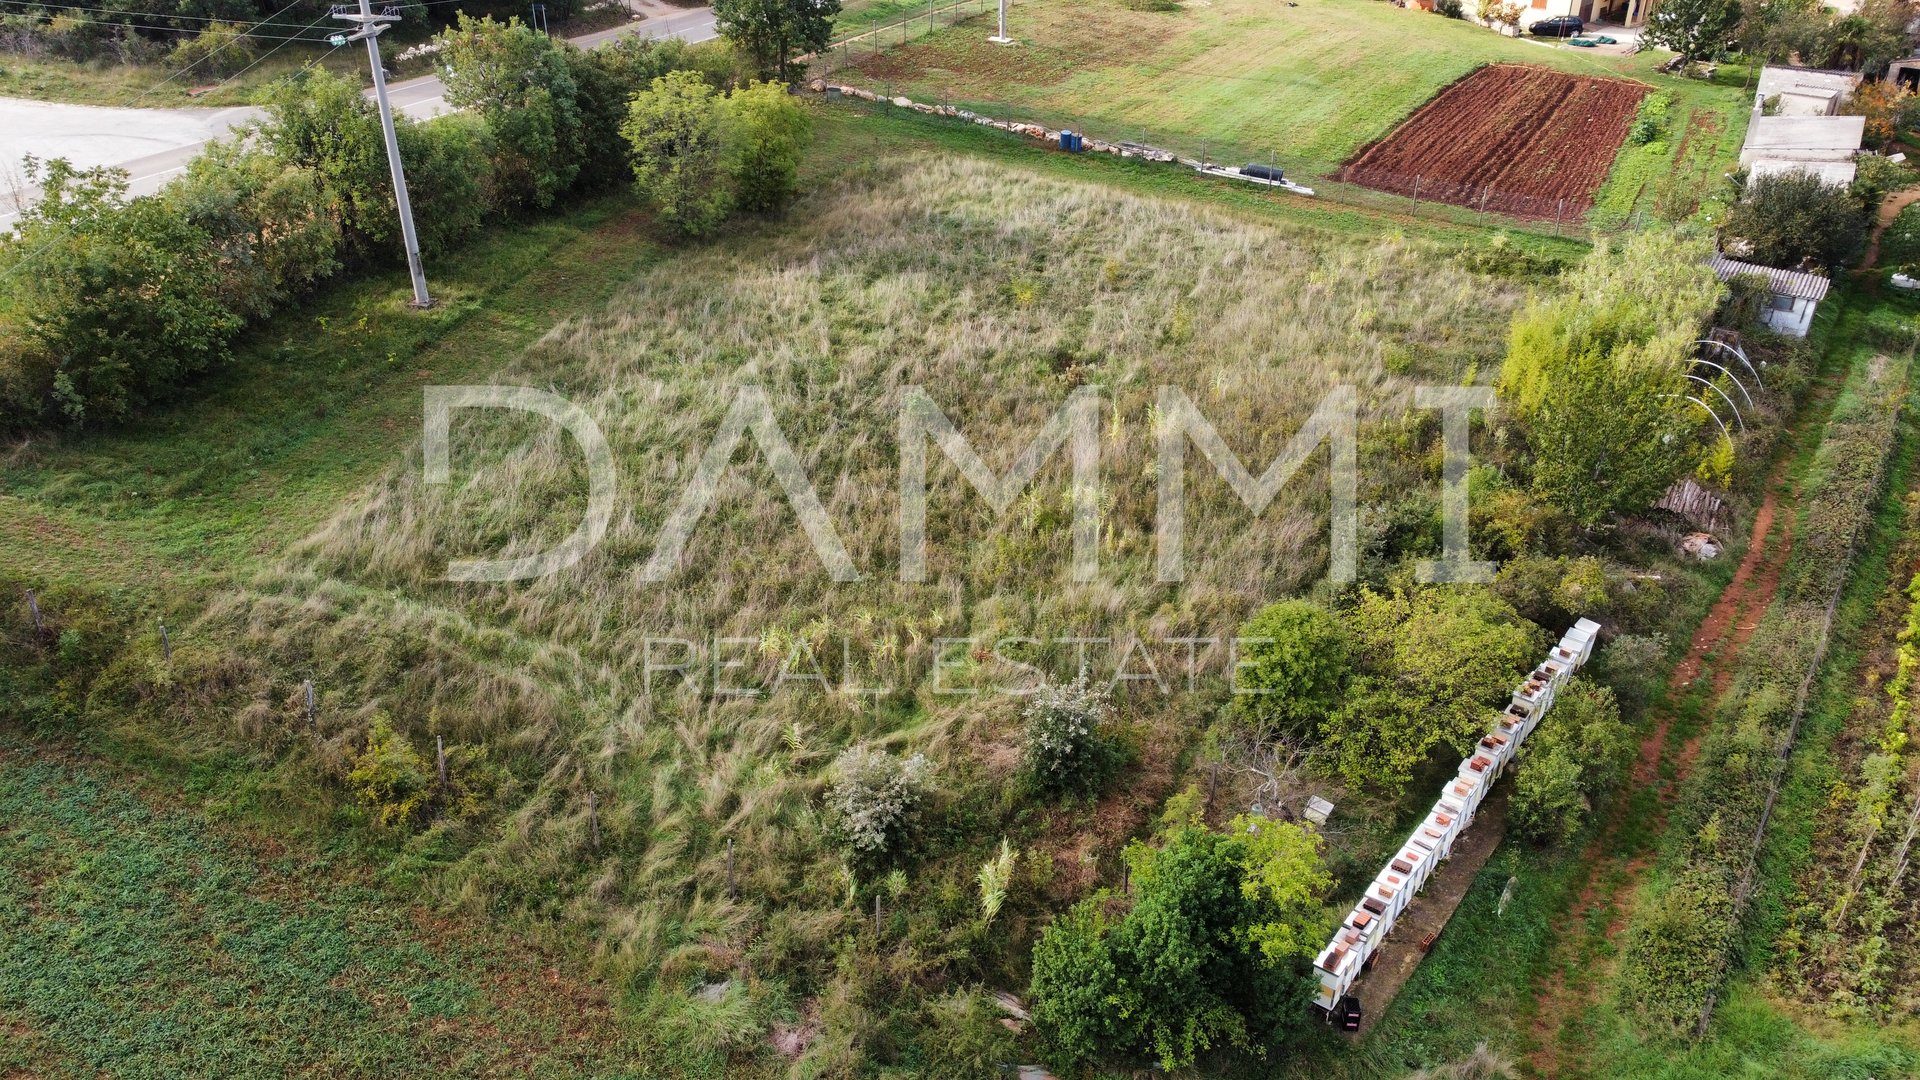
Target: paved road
{"points": [[155, 145]]}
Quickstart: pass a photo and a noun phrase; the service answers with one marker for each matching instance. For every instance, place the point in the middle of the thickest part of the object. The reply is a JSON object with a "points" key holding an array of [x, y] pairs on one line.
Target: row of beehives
{"points": [[1034, 131], [1372, 919]]}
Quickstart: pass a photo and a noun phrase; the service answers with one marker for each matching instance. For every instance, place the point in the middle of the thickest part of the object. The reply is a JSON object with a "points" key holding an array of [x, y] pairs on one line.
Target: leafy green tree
{"points": [[1209, 957], [1294, 666], [773, 32], [1696, 29], [1433, 662], [1578, 752], [679, 152], [320, 121], [1875, 33], [450, 179], [605, 79], [1596, 375], [767, 130], [112, 303], [1282, 872], [1793, 217], [520, 82]]}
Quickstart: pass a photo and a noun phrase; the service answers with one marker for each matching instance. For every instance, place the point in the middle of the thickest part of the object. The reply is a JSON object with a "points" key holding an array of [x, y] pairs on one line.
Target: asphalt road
{"points": [[155, 145]]}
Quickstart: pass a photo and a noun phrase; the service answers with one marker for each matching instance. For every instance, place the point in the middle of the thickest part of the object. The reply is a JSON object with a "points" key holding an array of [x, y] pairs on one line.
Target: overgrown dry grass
{"points": [[999, 292]]}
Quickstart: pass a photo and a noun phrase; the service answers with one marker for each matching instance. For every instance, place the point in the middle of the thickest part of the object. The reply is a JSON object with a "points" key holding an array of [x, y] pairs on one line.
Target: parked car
{"points": [[1558, 26]]}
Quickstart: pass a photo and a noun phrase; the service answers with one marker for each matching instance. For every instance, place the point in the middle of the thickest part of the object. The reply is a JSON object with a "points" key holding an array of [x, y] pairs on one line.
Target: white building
{"points": [[1806, 91], [1792, 295]]}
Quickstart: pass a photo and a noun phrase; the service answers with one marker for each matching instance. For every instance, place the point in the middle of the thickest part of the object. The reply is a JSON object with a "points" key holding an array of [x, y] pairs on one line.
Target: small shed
{"points": [[1806, 91], [1792, 294]]}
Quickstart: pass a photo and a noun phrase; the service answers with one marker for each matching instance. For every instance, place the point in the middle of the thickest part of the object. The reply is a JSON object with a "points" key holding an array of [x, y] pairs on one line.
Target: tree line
{"points": [[113, 304]]}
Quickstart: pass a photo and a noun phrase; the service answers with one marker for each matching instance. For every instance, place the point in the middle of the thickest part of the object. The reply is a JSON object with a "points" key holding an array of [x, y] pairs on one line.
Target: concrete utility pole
{"points": [[1001, 38], [371, 26]]}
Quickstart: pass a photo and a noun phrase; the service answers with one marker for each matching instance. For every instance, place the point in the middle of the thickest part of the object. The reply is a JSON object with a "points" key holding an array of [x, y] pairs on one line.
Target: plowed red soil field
{"points": [[1509, 138]]}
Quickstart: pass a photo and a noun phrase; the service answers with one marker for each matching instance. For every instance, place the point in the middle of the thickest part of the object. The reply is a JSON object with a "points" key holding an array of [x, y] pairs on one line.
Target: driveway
{"points": [[155, 145]]}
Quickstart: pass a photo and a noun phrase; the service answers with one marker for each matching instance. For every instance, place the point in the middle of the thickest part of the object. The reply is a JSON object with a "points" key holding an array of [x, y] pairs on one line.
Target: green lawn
{"points": [[1304, 84], [140, 940]]}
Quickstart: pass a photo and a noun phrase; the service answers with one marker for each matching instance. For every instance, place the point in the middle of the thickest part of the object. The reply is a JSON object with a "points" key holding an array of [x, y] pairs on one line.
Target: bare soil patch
{"points": [[1512, 138]]}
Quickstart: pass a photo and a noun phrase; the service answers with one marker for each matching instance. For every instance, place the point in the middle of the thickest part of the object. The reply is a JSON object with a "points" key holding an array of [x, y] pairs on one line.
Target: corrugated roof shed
{"points": [[1794, 283]]}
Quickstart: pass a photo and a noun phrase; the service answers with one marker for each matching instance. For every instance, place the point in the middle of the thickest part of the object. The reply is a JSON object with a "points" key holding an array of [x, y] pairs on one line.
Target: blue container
{"points": [[1071, 142]]}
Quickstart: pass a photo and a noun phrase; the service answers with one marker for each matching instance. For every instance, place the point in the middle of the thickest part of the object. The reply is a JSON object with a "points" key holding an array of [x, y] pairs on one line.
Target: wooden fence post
{"points": [[593, 820], [33, 605], [313, 722], [733, 890], [440, 760], [166, 644]]}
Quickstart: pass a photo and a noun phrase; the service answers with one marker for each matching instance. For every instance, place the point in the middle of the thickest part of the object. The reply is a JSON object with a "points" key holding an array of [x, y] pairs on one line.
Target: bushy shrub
{"points": [[220, 51], [111, 304], [873, 801], [1452, 9], [766, 132], [1184, 972], [521, 84], [390, 778], [1578, 753], [1293, 667], [1065, 748]]}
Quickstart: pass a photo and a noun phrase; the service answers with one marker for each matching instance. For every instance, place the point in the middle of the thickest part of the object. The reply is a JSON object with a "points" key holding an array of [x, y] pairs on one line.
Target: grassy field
{"points": [[280, 528], [141, 940], [1238, 77]]}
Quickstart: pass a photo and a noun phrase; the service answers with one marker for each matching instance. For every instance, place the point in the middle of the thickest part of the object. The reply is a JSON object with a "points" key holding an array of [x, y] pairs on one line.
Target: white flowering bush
{"points": [[873, 800], [1067, 747]]}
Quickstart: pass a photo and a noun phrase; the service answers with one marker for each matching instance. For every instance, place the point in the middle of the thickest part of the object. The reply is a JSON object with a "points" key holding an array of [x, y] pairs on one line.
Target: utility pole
{"points": [[371, 26], [1001, 38]]}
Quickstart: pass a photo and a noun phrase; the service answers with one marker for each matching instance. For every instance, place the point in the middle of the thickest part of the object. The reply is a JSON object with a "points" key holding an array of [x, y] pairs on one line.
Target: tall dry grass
{"points": [[999, 292]]}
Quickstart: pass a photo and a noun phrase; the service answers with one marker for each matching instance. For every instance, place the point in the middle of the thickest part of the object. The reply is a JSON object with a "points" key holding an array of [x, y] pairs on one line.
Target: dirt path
{"points": [[1613, 880], [1889, 210], [1429, 912]]}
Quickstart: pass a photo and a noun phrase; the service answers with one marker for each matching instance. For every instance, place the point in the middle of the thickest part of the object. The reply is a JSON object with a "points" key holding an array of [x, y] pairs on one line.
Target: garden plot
{"points": [[1509, 138]]}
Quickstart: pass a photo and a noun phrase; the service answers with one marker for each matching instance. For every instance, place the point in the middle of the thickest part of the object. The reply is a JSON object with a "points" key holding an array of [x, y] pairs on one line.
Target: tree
{"points": [[114, 303], [1777, 30], [1597, 375], [767, 130], [1786, 219], [1186, 970], [520, 82], [319, 120], [1575, 756], [1281, 870], [1874, 34], [773, 32], [605, 79], [1433, 662], [1696, 29], [679, 158], [1293, 667]]}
